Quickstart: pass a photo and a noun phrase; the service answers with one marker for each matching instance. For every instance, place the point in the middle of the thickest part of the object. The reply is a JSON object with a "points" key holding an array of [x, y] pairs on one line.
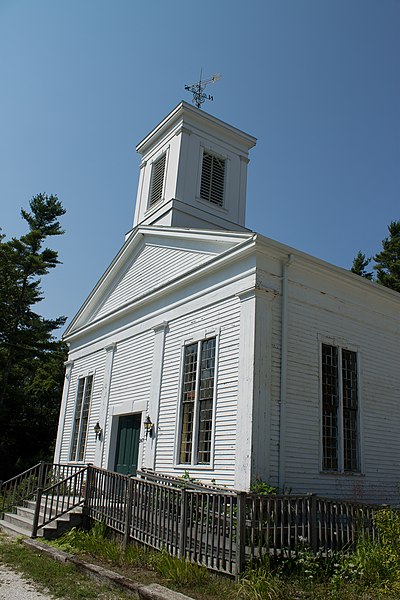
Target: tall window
{"points": [[197, 402], [339, 409], [84, 394], [157, 180], [212, 179]]}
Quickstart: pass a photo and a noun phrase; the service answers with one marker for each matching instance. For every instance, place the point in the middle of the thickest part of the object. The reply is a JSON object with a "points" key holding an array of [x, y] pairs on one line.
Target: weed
{"points": [[262, 488], [180, 571]]}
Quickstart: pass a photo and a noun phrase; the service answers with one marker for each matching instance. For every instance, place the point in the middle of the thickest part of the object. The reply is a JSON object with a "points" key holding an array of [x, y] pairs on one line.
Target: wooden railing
{"points": [[222, 529]]}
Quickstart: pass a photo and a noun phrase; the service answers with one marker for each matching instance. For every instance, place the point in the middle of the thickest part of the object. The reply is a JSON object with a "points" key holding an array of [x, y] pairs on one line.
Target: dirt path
{"points": [[14, 587]]}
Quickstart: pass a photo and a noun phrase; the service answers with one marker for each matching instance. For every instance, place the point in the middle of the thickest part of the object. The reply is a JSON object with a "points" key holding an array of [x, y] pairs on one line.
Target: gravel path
{"points": [[14, 587]]}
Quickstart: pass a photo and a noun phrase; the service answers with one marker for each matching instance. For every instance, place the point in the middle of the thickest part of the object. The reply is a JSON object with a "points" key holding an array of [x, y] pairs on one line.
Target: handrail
{"points": [[22, 487], [4, 483], [180, 482]]}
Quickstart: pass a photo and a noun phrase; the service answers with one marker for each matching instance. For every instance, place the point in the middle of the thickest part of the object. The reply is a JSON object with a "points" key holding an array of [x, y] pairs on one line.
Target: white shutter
{"points": [[212, 179], [157, 180]]}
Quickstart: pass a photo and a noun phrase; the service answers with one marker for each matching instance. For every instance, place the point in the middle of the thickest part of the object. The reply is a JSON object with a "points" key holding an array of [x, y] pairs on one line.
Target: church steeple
{"points": [[193, 172]]}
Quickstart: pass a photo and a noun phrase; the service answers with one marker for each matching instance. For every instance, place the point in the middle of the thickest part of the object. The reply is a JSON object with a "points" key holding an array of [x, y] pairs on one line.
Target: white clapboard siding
{"points": [[153, 267], [379, 359], [132, 369], [225, 316], [131, 377], [91, 364]]}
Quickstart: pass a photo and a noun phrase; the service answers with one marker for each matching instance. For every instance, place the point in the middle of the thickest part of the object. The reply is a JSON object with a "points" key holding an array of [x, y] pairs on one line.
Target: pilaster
{"points": [[155, 391], [63, 409], [254, 387], [105, 395]]}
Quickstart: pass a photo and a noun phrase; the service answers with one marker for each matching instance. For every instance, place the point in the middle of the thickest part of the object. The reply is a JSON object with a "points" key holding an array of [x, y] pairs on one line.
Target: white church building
{"points": [[209, 349]]}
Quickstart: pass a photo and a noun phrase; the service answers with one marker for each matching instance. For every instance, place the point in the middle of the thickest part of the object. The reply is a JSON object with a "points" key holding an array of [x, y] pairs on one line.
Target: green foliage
{"points": [[262, 488], [360, 264], [97, 543], [387, 261], [258, 582], [180, 572], [31, 359]]}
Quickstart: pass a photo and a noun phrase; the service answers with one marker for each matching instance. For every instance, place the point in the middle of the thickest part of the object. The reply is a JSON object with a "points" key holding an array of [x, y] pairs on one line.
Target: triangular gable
{"points": [[151, 258], [150, 269]]}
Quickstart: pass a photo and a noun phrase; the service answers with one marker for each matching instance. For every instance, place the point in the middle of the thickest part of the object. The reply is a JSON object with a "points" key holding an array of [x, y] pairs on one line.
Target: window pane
{"points": [[206, 394], [188, 398], [330, 405], [77, 419], [350, 408], [85, 416]]}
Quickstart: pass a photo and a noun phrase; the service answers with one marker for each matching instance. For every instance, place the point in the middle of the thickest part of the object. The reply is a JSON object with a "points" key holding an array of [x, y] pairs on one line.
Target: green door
{"points": [[126, 455]]}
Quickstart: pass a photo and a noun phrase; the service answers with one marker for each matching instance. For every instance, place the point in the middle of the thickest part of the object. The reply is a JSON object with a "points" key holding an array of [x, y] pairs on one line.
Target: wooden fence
{"points": [[221, 529]]}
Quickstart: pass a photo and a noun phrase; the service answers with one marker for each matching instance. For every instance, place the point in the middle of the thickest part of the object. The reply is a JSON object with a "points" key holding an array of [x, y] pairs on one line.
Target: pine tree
{"points": [[360, 264], [388, 260], [31, 359]]}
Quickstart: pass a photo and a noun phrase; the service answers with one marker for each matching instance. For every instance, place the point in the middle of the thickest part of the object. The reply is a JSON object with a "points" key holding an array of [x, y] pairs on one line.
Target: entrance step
{"points": [[20, 521]]}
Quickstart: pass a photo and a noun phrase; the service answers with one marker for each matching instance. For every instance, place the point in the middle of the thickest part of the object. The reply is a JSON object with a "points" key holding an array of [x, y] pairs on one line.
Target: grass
{"points": [[60, 580], [372, 572]]}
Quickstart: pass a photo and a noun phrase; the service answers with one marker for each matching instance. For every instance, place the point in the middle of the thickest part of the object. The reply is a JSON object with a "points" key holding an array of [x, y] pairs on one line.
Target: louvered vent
{"points": [[212, 179], [157, 180]]}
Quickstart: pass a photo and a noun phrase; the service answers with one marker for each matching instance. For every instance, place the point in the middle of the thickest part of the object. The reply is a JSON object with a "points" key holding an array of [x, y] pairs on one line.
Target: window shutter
{"points": [[157, 180], [212, 179]]}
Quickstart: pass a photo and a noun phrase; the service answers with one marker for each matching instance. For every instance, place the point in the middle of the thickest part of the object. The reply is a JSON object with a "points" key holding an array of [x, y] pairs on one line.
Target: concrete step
{"points": [[13, 529], [20, 522]]}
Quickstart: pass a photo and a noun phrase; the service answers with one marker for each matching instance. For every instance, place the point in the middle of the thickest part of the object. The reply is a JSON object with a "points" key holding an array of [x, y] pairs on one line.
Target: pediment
{"points": [[148, 261]]}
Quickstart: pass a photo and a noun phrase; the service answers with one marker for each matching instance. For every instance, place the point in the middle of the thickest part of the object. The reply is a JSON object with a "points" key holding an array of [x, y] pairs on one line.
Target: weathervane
{"points": [[197, 89]]}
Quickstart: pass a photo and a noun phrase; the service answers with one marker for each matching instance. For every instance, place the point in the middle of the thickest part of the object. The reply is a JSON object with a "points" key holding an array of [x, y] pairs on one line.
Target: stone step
{"points": [[13, 529], [20, 522]]}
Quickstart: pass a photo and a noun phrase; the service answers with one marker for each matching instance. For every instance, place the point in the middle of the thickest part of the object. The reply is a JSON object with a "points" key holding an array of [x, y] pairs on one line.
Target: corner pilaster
{"points": [[254, 387]]}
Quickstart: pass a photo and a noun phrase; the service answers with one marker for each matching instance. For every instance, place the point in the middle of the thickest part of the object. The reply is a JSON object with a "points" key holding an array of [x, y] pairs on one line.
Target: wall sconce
{"points": [[97, 430], [148, 426]]}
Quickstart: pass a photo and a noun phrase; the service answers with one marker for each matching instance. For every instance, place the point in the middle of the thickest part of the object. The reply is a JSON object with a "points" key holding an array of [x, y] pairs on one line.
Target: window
{"points": [[339, 409], [212, 179], [157, 180], [197, 402], [85, 386]]}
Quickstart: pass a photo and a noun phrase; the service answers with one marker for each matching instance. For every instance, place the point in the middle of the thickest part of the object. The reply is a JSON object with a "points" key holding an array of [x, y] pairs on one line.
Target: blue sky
{"points": [[316, 81]]}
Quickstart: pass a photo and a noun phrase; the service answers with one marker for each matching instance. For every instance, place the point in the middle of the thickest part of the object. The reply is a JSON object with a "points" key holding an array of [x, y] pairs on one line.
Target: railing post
{"points": [[313, 524], [240, 533], [41, 477], [128, 512], [182, 525], [37, 512], [86, 500]]}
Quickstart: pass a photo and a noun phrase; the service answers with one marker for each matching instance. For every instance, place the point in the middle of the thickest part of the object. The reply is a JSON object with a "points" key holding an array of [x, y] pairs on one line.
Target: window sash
{"points": [[197, 402], [339, 410], [81, 419]]}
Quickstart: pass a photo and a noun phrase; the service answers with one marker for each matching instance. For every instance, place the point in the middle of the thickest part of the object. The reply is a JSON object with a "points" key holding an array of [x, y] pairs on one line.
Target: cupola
{"points": [[193, 172]]}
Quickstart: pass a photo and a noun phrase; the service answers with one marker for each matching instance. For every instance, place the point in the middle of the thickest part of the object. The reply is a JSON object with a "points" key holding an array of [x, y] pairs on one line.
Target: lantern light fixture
{"points": [[148, 426], [97, 430]]}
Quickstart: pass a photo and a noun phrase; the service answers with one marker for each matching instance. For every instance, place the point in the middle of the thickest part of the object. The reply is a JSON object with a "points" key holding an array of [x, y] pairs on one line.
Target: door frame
{"points": [[116, 411]]}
